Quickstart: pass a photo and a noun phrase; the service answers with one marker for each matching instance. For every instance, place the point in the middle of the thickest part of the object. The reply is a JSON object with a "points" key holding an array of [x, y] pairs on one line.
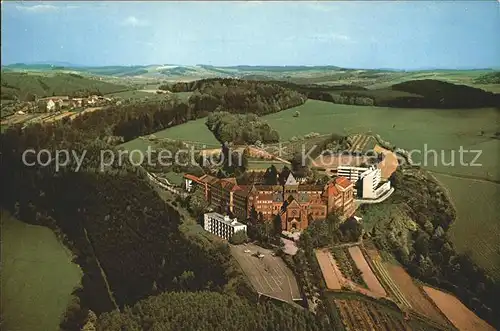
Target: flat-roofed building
{"points": [[222, 225], [352, 173], [371, 186]]}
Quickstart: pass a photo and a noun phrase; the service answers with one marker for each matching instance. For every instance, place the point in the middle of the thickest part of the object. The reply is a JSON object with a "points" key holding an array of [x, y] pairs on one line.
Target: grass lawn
{"points": [[264, 164], [192, 131], [174, 178], [37, 277], [477, 227], [136, 94], [412, 129], [445, 130]]}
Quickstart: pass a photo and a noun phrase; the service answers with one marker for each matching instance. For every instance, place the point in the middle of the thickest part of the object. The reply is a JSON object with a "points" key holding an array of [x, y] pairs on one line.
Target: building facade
{"points": [[296, 204], [371, 186], [222, 226], [367, 181]]}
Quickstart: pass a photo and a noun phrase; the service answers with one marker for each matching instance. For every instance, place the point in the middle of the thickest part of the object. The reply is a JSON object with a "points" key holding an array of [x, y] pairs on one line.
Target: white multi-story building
{"points": [[369, 180], [352, 173], [221, 225], [370, 184]]}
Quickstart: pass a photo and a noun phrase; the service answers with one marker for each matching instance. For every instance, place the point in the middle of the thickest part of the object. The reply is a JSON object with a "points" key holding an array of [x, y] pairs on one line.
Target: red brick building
{"points": [[297, 204]]}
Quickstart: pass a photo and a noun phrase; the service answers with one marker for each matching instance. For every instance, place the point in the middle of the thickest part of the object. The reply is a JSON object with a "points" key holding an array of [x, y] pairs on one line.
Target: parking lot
{"points": [[269, 275]]}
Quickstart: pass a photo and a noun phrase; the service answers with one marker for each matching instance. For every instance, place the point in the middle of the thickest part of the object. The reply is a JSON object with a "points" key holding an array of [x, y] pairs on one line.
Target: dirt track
{"points": [[390, 162]]}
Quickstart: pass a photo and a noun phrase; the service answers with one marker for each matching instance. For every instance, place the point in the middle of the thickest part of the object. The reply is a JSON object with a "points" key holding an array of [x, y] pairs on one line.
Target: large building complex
{"points": [[296, 204], [367, 181], [222, 225]]}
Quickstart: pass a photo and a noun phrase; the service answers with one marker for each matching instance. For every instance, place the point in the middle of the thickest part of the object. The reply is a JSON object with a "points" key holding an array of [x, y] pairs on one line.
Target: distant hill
{"points": [[438, 94], [490, 78], [22, 86], [425, 93]]}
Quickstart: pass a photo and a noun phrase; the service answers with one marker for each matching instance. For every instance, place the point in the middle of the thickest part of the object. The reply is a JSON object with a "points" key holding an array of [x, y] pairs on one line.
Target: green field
{"points": [[193, 131], [264, 164], [137, 94], [441, 130], [37, 277], [477, 227]]}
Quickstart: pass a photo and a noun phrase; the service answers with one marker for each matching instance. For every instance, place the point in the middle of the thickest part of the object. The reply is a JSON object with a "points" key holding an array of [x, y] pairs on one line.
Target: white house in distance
{"points": [[370, 180], [222, 225]]}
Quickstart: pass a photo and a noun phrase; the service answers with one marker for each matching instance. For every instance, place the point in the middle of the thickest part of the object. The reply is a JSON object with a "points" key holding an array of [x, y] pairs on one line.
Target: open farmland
{"points": [[459, 315], [37, 276], [366, 272], [477, 227], [414, 294], [347, 266], [424, 131], [192, 131], [269, 275], [421, 130], [134, 94], [330, 271], [359, 313]]}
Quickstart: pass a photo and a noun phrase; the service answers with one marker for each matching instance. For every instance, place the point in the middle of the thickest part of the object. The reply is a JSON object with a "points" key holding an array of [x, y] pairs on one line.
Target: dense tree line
{"points": [[427, 93], [131, 231], [240, 128], [239, 96], [413, 225], [208, 311]]}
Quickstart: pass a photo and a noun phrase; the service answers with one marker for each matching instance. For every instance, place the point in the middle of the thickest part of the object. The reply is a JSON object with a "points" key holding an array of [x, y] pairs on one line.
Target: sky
{"points": [[351, 34]]}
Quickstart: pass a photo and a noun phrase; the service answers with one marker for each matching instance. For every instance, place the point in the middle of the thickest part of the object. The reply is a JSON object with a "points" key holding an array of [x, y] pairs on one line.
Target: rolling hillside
{"points": [[21, 86]]}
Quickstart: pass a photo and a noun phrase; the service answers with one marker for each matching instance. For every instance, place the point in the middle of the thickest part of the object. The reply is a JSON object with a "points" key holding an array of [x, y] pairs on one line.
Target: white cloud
{"points": [[43, 8], [334, 37], [134, 21]]}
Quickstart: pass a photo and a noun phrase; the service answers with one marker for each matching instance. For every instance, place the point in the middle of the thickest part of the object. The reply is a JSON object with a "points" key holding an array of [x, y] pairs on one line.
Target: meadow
{"points": [[477, 227], [421, 130], [193, 131], [37, 276], [473, 189]]}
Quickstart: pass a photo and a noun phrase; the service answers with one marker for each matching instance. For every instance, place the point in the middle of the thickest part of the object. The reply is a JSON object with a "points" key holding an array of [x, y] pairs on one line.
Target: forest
{"points": [[110, 219], [425, 93], [122, 216], [239, 96], [240, 128], [209, 311]]}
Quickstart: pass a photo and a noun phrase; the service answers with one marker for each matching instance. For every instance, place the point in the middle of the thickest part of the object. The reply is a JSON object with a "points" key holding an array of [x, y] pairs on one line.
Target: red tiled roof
{"points": [[343, 182], [331, 190], [192, 177], [209, 179]]}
